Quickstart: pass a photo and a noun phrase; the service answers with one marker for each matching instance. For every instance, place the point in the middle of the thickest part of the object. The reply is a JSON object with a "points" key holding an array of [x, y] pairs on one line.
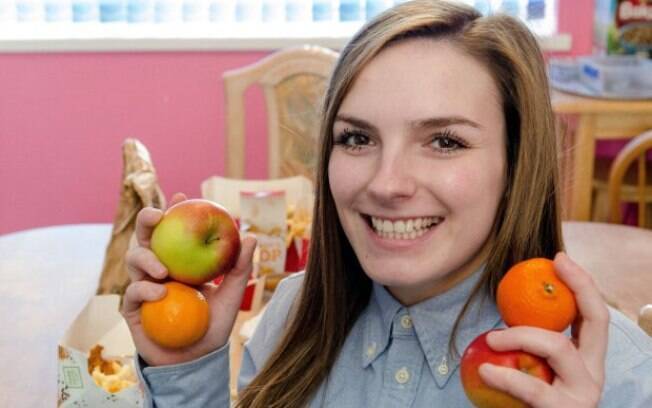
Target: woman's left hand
{"points": [[578, 362]]}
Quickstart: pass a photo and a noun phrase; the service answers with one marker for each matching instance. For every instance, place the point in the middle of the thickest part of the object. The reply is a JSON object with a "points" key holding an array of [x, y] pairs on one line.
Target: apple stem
{"points": [[211, 238]]}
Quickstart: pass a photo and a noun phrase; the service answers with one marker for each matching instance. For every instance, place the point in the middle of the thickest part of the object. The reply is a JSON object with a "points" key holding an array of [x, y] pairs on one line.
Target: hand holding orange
{"points": [[530, 294], [196, 240]]}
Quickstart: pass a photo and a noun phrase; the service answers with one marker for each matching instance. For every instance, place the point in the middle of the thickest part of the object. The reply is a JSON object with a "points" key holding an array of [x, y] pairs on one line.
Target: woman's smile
{"points": [[395, 233]]}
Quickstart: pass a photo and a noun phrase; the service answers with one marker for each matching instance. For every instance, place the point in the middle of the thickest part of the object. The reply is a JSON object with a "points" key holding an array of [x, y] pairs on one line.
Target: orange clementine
{"points": [[531, 294], [177, 320]]}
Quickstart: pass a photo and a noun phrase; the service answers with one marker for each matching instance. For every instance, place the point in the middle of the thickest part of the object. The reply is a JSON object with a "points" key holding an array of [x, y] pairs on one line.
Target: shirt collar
{"points": [[432, 321]]}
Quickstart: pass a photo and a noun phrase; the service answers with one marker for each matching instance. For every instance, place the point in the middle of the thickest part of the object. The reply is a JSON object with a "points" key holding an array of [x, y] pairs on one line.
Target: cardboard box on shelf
{"points": [[623, 26]]}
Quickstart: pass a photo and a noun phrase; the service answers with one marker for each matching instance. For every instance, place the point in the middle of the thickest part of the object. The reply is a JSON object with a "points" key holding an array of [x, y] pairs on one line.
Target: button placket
{"points": [[403, 368]]}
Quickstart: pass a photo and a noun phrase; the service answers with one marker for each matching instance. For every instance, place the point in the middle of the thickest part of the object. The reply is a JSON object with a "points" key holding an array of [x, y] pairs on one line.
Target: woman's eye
{"points": [[352, 140], [446, 143]]}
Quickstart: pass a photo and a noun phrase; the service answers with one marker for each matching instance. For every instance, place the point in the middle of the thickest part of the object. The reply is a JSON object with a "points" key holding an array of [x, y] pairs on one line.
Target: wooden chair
{"points": [[639, 190], [293, 81]]}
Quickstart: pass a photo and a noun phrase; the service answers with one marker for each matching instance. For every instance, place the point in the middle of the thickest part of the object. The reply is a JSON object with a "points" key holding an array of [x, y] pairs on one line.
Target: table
{"points": [[46, 277], [620, 259], [597, 119]]}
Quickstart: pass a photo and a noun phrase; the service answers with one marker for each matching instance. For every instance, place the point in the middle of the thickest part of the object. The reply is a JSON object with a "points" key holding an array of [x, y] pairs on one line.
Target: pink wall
{"points": [[576, 18], [64, 116]]}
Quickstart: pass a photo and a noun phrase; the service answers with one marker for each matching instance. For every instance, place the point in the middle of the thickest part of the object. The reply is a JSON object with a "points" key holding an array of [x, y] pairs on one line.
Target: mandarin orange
{"points": [[177, 320], [531, 294]]}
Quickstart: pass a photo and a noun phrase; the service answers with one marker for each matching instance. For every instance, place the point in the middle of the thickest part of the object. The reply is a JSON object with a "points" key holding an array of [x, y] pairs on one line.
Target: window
{"points": [[209, 24]]}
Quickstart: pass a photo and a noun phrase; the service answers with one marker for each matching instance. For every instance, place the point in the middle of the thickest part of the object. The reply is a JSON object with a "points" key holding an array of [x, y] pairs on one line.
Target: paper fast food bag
{"points": [[139, 189], [99, 323]]}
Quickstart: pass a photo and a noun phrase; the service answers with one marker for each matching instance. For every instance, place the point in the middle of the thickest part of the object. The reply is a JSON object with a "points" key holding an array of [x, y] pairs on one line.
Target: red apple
{"points": [[480, 394], [197, 241]]}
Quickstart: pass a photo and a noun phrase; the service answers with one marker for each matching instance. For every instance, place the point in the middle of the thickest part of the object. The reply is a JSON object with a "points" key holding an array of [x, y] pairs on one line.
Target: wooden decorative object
{"points": [[139, 189]]}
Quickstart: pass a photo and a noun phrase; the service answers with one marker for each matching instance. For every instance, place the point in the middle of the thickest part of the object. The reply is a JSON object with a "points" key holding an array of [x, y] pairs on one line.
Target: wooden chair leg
{"points": [[600, 210]]}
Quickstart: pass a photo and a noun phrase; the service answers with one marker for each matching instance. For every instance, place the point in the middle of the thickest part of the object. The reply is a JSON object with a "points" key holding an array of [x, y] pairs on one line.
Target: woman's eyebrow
{"points": [[434, 122], [444, 121], [359, 123]]}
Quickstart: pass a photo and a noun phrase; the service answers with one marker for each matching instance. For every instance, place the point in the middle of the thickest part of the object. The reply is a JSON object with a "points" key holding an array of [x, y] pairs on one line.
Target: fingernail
{"points": [[158, 291], [563, 256], [485, 369], [491, 336]]}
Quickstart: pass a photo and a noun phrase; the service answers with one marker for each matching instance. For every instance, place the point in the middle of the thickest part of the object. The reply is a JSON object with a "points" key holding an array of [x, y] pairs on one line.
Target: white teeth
{"points": [[403, 229]]}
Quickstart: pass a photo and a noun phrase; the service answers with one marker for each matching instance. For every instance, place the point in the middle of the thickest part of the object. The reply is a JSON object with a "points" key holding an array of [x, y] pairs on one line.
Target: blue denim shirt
{"points": [[395, 356]]}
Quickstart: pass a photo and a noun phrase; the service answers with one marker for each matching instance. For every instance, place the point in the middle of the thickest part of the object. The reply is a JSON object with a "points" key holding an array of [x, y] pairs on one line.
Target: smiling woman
{"points": [[441, 157]]}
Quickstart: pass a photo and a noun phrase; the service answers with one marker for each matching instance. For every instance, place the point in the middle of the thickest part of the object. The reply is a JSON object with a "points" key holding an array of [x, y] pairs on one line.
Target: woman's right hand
{"points": [[147, 274]]}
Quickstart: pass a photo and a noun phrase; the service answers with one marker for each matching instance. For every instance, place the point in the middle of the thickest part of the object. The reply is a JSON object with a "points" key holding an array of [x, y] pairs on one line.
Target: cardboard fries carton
{"points": [[100, 322]]}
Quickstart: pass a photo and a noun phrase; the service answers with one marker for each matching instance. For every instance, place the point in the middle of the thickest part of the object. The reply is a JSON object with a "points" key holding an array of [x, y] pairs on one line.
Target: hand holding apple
{"points": [[481, 394], [148, 276]]}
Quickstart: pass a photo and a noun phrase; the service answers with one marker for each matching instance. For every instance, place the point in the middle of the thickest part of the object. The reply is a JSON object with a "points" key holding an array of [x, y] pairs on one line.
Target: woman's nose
{"points": [[394, 179]]}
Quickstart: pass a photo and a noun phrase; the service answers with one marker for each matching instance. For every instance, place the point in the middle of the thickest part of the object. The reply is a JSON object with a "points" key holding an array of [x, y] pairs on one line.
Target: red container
{"points": [[297, 255]]}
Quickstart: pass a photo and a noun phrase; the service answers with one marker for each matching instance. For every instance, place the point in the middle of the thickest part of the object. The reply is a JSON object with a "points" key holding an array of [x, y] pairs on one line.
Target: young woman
{"points": [[437, 173]]}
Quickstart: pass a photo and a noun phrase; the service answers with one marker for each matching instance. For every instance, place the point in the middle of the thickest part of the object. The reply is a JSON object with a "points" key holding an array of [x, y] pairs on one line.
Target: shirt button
{"points": [[402, 375], [406, 322], [443, 367], [371, 349]]}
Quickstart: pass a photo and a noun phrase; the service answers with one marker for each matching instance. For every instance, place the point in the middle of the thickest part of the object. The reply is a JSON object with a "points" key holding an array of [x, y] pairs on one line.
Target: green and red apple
{"points": [[478, 392], [196, 240]]}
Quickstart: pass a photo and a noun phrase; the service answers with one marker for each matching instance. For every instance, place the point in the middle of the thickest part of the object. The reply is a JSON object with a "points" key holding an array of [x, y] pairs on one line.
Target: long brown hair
{"points": [[335, 289]]}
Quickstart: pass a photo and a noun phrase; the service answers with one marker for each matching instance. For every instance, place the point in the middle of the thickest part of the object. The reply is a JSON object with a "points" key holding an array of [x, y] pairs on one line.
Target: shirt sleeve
{"points": [[269, 330], [200, 383], [628, 369], [204, 382], [632, 390]]}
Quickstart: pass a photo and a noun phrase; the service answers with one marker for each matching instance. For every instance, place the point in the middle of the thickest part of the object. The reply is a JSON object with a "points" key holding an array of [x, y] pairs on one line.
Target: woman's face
{"points": [[418, 167]]}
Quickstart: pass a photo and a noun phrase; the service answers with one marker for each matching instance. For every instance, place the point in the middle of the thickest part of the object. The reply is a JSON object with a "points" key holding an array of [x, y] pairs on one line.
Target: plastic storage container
{"points": [[615, 74], [563, 69]]}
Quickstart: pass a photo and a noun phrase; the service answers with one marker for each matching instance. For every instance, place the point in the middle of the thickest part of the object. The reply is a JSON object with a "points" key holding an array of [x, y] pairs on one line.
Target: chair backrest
{"points": [[634, 151], [294, 81]]}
